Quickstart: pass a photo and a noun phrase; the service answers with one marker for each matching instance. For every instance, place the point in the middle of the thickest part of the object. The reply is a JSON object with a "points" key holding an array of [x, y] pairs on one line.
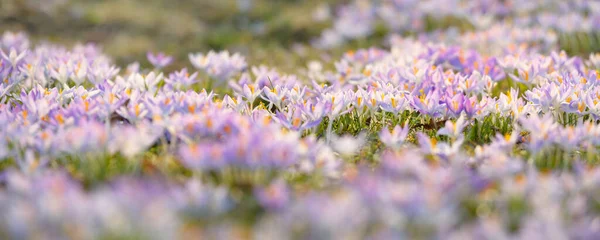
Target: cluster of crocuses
{"points": [[495, 40], [433, 175], [359, 19]]}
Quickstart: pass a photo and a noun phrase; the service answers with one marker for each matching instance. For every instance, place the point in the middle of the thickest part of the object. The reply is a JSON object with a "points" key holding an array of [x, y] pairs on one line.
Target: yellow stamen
{"points": [[422, 99], [78, 68], [59, 118], [296, 122], [520, 178], [367, 72], [137, 110], [44, 135], [580, 106], [194, 149], [267, 120]]}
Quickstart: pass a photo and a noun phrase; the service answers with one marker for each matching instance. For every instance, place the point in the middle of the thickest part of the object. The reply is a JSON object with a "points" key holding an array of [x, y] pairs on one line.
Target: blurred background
{"points": [[262, 30]]}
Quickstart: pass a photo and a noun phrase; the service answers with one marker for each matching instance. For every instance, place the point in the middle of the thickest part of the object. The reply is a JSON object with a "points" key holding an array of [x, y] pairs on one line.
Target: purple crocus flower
{"points": [[134, 111], [17, 41], [159, 60], [202, 156], [453, 129], [455, 104], [541, 130], [473, 107], [396, 137], [221, 65], [428, 104], [394, 103], [275, 196], [294, 120], [13, 58], [181, 79]]}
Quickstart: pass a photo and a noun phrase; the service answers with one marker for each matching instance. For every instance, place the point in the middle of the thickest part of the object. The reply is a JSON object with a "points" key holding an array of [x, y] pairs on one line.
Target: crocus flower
{"points": [[348, 145], [276, 95], [527, 74], [221, 66], [455, 104], [453, 129], [16, 40], [181, 79], [396, 137], [275, 196], [159, 60], [294, 120], [131, 141], [134, 111], [507, 141], [394, 103], [13, 58], [427, 145], [541, 129], [429, 104], [473, 107], [202, 156]]}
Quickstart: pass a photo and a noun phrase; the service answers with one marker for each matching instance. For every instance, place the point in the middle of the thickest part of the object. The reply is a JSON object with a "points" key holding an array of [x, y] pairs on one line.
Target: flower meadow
{"points": [[489, 131]]}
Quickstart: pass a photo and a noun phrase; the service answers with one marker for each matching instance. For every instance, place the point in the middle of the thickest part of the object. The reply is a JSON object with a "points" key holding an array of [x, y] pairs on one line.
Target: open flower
{"points": [[348, 145], [13, 58], [396, 137], [453, 129], [275, 196], [221, 66], [159, 60], [294, 119], [181, 79]]}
